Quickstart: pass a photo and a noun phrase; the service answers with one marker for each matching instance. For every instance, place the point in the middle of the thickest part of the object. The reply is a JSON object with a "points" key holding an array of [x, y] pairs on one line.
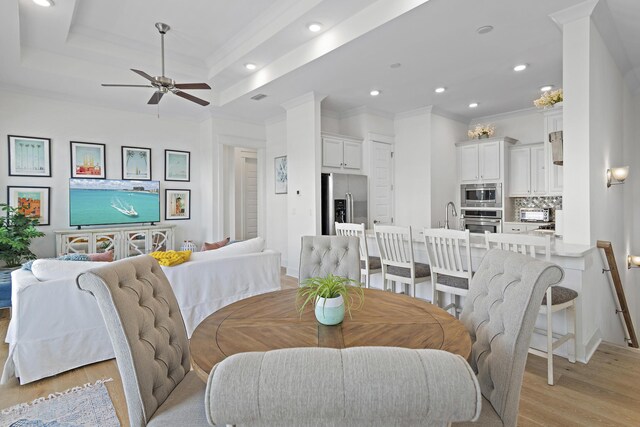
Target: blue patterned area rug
{"points": [[85, 406]]}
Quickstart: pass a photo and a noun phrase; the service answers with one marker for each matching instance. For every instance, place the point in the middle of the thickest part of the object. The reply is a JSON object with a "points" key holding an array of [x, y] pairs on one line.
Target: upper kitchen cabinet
{"points": [[527, 171], [341, 152], [552, 123], [482, 160]]}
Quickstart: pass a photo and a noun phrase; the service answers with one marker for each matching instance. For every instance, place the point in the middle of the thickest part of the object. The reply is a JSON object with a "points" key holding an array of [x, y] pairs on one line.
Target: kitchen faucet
{"points": [[446, 213]]}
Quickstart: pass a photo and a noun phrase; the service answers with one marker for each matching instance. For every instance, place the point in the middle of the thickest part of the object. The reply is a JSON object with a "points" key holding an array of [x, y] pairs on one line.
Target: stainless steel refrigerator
{"points": [[344, 199]]}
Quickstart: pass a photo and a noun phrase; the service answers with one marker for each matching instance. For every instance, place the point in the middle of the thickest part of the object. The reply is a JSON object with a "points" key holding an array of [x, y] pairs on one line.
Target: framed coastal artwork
{"points": [[32, 201], [281, 174], [88, 160], [177, 204], [136, 163], [29, 156], [176, 165]]}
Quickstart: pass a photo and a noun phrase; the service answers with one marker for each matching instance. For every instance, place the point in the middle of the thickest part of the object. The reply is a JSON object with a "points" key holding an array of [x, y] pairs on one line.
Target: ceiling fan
{"points": [[164, 84]]}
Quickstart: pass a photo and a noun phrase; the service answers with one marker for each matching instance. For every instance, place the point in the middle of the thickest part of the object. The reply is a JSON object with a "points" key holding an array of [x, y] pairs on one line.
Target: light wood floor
{"points": [[604, 392]]}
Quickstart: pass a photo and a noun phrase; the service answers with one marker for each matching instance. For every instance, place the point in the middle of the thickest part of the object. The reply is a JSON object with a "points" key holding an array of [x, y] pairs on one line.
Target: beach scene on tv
{"points": [[111, 201]]}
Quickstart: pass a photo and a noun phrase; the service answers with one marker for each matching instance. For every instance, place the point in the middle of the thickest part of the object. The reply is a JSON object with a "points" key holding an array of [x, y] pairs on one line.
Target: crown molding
{"points": [[412, 113], [363, 109], [570, 14], [307, 97], [451, 116], [507, 115], [330, 114]]}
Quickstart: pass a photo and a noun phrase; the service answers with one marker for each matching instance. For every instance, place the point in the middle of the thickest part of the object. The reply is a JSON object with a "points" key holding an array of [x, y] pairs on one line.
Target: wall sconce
{"points": [[633, 261], [617, 175]]}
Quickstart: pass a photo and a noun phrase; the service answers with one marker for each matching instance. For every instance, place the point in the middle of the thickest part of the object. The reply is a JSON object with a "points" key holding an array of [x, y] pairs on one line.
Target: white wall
{"points": [[276, 233], [444, 187], [64, 121], [527, 126], [412, 169]]}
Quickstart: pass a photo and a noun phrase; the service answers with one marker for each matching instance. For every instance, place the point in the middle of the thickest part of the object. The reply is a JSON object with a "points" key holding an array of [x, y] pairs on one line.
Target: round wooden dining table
{"points": [[271, 321]]}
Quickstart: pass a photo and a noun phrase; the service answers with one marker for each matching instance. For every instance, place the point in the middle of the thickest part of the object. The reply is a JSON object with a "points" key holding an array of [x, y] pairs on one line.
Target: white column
{"points": [[304, 169]]}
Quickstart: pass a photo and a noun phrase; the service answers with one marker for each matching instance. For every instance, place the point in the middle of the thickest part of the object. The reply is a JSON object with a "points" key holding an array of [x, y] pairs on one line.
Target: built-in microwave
{"points": [[481, 195]]}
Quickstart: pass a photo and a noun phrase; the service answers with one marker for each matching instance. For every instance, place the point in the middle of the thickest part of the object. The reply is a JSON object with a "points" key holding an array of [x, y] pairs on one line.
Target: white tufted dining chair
{"points": [[500, 312], [322, 255], [150, 342]]}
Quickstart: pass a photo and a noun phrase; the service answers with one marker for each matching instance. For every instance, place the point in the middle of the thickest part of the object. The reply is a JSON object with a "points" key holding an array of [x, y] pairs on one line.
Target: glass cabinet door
{"points": [[75, 244]]}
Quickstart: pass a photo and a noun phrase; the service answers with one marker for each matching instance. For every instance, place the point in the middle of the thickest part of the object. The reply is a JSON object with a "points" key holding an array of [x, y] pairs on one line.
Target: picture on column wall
{"points": [[29, 156], [176, 165], [32, 201], [281, 177], [136, 163], [177, 204], [88, 160]]}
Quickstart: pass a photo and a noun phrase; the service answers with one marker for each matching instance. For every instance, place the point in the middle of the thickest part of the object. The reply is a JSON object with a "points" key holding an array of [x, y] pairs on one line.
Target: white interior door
{"points": [[250, 198], [382, 184]]}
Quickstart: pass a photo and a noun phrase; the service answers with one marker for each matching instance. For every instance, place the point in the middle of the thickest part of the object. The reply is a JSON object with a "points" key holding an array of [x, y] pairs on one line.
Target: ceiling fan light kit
{"points": [[164, 84]]}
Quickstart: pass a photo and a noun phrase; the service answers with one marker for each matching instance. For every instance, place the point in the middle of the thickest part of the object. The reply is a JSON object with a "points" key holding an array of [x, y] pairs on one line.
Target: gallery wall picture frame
{"points": [[29, 156], [88, 160], [136, 163], [177, 165], [177, 204], [281, 174], [34, 202]]}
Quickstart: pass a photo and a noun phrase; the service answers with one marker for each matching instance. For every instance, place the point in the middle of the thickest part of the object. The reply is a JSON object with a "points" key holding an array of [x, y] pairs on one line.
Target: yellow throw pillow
{"points": [[171, 258]]}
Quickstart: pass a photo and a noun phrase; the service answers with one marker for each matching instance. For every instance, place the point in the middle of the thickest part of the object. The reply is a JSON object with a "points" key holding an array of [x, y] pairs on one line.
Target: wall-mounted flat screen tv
{"points": [[113, 201]]}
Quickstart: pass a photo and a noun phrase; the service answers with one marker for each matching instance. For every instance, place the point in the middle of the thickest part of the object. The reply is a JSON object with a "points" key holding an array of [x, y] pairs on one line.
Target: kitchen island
{"points": [[582, 266]]}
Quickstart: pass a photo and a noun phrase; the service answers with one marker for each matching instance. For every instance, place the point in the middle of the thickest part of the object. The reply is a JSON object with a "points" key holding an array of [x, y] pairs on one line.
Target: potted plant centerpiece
{"points": [[332, 296]]}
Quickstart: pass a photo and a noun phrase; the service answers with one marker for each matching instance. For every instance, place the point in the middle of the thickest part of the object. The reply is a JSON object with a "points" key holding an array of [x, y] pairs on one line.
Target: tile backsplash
{"points": [[554, 202]]}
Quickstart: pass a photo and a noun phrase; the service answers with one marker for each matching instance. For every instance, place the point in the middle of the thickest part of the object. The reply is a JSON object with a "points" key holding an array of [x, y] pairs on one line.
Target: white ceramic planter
{"points": [[330, 311]]}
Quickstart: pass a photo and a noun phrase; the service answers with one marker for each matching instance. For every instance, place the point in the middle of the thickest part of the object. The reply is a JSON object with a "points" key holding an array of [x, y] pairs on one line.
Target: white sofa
{"points": [[56, 327]]}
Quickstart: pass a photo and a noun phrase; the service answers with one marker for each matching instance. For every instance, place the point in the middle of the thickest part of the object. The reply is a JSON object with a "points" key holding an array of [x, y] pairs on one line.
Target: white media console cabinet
{"points": [[125, 241]]}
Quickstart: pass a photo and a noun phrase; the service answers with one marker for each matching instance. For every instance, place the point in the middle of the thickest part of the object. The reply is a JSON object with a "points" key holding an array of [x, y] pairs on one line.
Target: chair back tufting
{"points": [[146, 329], [500, 312], [323, 255]]}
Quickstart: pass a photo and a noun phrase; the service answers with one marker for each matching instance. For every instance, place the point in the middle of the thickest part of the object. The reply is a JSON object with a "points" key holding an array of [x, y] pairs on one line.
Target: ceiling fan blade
{"points": [[155, 98], [191, 98], [117, 85], [143, 74], [192, 86]]}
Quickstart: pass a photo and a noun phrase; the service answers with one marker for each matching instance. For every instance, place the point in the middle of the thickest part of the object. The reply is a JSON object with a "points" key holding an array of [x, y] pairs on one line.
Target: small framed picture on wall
{"points": [[281, 177], [136, 163], [32, 201], [88, 160], [177, 204], [29, 156], [177, 165]]}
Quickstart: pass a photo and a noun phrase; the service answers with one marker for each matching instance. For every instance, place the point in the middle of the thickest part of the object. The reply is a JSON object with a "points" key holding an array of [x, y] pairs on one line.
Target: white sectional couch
{"points": [[56, 327]]}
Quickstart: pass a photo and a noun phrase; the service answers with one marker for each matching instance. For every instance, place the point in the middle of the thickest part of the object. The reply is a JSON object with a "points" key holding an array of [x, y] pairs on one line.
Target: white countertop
{"points": [[558, 247]]}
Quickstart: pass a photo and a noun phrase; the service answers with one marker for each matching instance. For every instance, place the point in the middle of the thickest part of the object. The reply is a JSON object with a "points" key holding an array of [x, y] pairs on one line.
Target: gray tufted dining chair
{"points": [[500, 312], [323, 255], [150, 342]]}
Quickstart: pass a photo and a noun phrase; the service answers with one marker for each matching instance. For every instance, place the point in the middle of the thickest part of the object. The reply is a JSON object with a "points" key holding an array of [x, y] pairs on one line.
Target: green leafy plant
{"points": [[331, 287], [16, 232]]}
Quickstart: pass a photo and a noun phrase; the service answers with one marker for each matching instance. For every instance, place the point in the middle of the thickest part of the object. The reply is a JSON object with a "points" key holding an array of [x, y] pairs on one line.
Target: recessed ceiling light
{"points": [[440, 89], [546, 88], [44, 3], [374, 92], [473, 105], [520, 67], [314, 27], [395, 65], [250, 66], [484, 29]]}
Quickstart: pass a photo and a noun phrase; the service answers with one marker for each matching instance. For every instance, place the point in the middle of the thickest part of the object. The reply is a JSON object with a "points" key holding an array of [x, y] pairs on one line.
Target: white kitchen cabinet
{"points": [[527, 171], [552, 123], [482, 160], [489, 161], [468, 163], [538, 171], [341, 152], [519, 183], [124, 241], [518, 227]]}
